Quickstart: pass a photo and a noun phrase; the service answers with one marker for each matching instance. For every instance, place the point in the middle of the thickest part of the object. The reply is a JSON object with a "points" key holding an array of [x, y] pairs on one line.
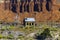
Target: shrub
{"points": [[1, 36], [10, 36]]}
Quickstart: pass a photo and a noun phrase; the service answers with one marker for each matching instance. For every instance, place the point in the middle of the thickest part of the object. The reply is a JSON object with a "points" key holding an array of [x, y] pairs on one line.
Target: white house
{"points": [[30, 21]]}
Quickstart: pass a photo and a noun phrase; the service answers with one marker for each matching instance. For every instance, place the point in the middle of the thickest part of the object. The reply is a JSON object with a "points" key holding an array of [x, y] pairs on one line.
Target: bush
{"points": [[1, 36], [4, 27], [10, 36], [45, 34], [11, 27], [21, 37], [53, 29]]}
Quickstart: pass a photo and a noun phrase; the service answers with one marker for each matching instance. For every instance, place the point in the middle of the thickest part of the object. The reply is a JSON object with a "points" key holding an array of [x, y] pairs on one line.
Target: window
{"points": [[32, 23], [27, 23]]}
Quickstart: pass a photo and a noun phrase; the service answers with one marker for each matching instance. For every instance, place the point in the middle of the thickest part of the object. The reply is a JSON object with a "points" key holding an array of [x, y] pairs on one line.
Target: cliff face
{"points": [[42, 11]]}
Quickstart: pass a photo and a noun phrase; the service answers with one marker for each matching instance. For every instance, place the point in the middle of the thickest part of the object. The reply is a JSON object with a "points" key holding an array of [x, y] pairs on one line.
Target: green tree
{"points": [[45, 34]]}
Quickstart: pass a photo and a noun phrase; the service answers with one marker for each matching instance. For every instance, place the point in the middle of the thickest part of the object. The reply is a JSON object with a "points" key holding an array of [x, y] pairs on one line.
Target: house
{"points": [[29, 21]]}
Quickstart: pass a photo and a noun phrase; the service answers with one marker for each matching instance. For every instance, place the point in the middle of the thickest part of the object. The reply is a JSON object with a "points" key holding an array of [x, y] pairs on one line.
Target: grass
{"points": [[1, 36], [10, 36], [30, 29]]}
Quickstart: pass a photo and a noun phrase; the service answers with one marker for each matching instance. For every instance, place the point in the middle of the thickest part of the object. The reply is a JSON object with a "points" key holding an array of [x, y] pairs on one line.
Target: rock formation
{"points": [[41, 10]]}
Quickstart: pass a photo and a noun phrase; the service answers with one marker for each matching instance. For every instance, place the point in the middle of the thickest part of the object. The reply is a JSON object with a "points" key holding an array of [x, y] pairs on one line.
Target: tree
{"points": [[44, 35]]}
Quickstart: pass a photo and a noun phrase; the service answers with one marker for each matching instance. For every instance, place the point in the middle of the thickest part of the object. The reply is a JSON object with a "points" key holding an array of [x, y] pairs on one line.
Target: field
{"points": [[27, 32]]}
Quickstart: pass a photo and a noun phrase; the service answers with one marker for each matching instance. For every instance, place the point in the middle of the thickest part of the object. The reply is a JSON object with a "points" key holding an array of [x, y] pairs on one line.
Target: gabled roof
{"points": [[29, 19]]}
